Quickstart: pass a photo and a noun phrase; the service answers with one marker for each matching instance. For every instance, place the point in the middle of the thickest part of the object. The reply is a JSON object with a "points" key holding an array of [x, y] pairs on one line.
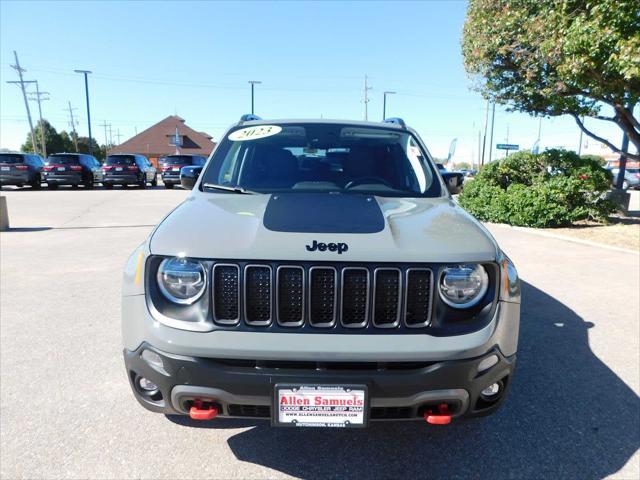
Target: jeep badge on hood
{"points": [[332, 247]]}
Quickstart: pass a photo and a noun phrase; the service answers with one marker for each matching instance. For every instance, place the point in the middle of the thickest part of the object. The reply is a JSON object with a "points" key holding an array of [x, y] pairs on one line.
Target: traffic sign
{"points": [[507, 146]]}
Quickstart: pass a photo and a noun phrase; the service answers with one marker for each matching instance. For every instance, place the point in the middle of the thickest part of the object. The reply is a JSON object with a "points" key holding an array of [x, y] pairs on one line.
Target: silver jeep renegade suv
{"points": [[320, 274]]}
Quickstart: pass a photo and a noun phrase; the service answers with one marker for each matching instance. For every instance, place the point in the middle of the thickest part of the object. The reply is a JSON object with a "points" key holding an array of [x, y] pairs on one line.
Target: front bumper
{"points": [[244, 388]]}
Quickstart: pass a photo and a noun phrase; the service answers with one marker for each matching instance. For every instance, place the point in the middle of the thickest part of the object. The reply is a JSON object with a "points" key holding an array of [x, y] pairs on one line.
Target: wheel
{"points": [[108, 186], [168, 185], [36, 183], [75, 185], [625, 185], [89, 183], [154, 182], [143, 183], [52, 186]]}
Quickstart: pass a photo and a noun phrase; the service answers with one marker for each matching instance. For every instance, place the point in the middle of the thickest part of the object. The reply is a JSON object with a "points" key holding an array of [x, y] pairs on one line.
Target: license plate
{"points": [[329, 406], [118, 169], [175, 169], [5, 169], [61, 169]]}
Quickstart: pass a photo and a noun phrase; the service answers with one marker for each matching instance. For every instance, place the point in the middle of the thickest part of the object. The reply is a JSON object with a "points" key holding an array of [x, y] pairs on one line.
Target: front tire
{"points": [[52, 186], [143, 184], [36, 184], [168, 186], [108, 186], [154, 183]]}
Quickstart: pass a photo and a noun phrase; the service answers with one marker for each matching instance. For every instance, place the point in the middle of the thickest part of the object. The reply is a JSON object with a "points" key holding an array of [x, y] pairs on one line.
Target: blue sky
{"points": [[153, 59]]}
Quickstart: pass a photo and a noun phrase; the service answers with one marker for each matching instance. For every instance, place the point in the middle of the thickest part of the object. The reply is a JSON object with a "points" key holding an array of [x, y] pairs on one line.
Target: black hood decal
{"points": [[323, 213]]}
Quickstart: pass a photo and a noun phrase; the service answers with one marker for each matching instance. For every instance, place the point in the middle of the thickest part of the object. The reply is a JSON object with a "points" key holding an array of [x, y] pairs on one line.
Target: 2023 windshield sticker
{"points": [[254, 133]]}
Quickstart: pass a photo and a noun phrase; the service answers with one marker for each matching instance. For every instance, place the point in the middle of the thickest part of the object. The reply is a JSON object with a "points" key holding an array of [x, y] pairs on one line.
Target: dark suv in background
{"points": [[20, 169], [71, 169], [171, 165], [127, 169]]}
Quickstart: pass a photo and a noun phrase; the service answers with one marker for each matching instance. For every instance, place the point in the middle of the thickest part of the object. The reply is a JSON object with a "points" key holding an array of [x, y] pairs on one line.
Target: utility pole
{"points": [[493, 117], [106, 139], [118, 135], [253, 84], [110, 137], [484, 138], [366, 98], [72, 123], [20, 71], [86, 91], [384, 103], [39, 98], [480, 156]]}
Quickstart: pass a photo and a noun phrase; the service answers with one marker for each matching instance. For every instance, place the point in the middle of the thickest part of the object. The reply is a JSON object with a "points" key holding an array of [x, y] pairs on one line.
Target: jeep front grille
{"points": [[321, 296]]}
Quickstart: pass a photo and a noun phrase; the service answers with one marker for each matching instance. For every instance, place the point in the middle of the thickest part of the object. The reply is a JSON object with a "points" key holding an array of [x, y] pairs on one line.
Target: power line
{"points": [[22, 83]]}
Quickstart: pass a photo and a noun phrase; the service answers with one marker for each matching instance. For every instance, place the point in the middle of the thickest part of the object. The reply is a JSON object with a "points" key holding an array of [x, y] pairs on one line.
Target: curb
{"points": [[567, 238]]}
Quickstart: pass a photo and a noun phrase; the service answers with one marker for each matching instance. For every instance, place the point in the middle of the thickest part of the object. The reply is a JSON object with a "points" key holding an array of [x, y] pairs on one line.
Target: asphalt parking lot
{"points": [[67, 411]]}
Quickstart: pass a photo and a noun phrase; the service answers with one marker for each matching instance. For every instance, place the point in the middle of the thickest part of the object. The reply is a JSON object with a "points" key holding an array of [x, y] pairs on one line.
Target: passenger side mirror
{"points": [[454, 181]]}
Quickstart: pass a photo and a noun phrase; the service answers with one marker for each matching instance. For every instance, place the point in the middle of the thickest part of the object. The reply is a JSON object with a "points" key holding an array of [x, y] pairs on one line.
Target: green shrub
{"points": [[551, 189]]}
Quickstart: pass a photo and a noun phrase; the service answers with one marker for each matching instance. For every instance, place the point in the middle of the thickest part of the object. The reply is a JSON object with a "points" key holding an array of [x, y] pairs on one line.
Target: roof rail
{"points": [[396, 121], [248, 117]]}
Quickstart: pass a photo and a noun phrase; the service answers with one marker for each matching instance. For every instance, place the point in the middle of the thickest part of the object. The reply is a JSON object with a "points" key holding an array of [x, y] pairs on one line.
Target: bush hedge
{"points": [[550, 189]]}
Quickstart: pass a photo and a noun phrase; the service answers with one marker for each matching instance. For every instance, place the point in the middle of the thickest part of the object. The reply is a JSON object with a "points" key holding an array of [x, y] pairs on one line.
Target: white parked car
{"points": [[320, 274]]}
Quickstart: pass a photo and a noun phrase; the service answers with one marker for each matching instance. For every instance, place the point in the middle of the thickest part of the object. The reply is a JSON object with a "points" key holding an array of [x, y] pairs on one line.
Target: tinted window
{"points": [[324, 157], [64, 159], [10, 158], [199, 161], [176, 160], [125, 160]]}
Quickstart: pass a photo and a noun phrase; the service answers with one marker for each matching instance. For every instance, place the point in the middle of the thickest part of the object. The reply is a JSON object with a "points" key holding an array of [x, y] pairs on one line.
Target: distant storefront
{"points": [[165, 138]]}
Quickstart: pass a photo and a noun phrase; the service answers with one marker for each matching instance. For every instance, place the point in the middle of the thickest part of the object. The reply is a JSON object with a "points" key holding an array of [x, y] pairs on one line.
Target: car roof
{"points": [[320, 121]]}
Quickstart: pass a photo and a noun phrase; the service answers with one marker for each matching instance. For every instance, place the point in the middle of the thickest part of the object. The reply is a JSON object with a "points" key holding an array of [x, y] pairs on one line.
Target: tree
{"points": [[83, 147], [463, 165], [556, 57], [55, 142]]}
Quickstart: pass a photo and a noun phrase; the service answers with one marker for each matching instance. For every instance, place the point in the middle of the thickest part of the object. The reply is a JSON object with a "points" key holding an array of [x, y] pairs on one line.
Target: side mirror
{"points": [[189, 176], [454, 181]]}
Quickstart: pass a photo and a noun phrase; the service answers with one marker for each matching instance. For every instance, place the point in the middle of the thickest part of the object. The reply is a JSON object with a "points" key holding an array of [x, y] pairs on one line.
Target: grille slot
{"points": [[387, 292], [355, 297], [226, 293], [418, 297], [322, 296], [255, 411], [257, 294], [290, 295]]}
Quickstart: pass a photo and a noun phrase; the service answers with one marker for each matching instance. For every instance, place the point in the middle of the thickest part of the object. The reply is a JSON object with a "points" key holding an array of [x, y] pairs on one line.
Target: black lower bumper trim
{"points": [[246, 391]]}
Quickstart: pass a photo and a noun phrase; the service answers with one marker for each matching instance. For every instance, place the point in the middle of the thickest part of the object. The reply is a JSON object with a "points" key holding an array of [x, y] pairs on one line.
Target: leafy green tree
{"points": [[463, 166], [83, 147], [54, 141], [556, 57]]}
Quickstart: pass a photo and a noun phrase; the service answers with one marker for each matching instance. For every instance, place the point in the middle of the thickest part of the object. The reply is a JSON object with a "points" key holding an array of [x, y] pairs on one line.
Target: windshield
{"points": [[10, 158], [120, 160], [323, 158], [176, 160], [63, 159]]}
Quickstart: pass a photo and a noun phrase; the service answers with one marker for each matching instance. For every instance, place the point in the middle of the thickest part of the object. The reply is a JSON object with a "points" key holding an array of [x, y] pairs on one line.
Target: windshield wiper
{"points": [[228, 188]]}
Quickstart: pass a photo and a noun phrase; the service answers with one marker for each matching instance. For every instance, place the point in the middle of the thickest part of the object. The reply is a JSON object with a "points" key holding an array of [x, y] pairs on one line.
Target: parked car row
{"points": [[77, 169], [631, 177]]}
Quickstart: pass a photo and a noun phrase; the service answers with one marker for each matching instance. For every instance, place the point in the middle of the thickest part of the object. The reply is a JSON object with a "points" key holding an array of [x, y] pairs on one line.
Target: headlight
{"points": [[463, 286], [182, 280]]}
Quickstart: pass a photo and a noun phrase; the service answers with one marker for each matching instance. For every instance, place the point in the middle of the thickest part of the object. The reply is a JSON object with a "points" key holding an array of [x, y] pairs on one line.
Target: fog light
{"points": [[491, 390], [154, 361], [487, 363], [147, 385]]}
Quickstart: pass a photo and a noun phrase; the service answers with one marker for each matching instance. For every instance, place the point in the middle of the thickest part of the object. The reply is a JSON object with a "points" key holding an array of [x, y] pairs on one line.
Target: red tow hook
{"points": [[443, 417], [196, 412]]}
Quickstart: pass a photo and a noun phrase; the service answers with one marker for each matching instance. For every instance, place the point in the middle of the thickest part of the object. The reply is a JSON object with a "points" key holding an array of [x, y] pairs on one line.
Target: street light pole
{"points": [[86, 91], [384, 103], [253, 84]]}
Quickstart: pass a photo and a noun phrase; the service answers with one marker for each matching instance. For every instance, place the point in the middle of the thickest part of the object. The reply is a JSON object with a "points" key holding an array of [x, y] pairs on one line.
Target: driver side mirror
{"points": [[453, 181]]}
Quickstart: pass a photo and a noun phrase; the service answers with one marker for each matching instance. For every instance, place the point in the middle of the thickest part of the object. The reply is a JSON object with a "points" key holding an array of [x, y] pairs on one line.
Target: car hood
{"points": [[374, 229]]}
